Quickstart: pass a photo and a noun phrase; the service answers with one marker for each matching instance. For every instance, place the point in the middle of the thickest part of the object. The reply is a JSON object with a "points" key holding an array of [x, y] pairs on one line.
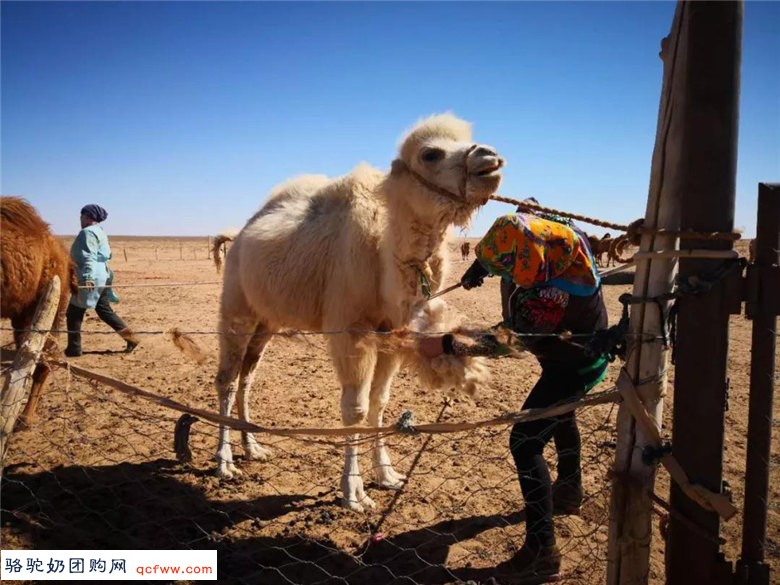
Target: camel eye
{"points": [[430, 155]]}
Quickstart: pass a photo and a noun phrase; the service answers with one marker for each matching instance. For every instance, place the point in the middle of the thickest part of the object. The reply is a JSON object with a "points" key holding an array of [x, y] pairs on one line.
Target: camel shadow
{"points": [[131, 506]]}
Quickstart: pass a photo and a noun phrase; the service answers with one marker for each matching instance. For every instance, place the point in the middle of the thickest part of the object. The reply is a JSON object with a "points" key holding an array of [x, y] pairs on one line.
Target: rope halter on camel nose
{"points": [[399, 165]]}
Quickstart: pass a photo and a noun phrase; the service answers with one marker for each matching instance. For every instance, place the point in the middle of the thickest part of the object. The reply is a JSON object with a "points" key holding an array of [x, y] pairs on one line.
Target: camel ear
{"points": [[398, 167]]}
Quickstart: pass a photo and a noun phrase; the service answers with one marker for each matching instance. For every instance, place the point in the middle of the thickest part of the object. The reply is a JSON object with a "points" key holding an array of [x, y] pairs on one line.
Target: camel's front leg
{"points": [[354, 366], [386, 367], [227, 384]]}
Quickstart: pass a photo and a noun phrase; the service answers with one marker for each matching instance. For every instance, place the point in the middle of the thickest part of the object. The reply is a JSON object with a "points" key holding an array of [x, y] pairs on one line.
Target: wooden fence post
{"points": [[762, 308], [18, 384], [630, 528], [709, 112]]}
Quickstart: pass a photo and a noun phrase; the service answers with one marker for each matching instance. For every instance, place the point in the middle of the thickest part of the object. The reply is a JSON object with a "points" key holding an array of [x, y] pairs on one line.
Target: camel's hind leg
{"points": [[254, 352], [355, 368], [234, 339], [21, 324], [39, 378], [386, 367]]}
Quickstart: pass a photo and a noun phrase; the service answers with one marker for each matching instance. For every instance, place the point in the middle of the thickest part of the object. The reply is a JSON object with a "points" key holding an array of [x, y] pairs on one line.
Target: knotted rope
{"points": [[634, 230]]}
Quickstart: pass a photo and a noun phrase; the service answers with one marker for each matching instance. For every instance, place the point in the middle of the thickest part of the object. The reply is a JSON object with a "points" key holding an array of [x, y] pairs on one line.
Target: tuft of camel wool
{"points": [[187, 345]]}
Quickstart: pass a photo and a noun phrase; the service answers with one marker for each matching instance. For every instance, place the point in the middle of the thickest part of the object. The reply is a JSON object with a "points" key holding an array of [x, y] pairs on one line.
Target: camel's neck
{"points": [[413, 253], [415, 237]]}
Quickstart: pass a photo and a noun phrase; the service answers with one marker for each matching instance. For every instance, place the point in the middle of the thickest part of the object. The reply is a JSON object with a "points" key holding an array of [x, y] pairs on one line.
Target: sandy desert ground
{"points": [[98, 469]]}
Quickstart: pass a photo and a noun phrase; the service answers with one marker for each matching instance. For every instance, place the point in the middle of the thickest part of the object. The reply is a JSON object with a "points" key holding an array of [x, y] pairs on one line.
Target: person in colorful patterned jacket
{"points": [[553, 287], [91, 252]]}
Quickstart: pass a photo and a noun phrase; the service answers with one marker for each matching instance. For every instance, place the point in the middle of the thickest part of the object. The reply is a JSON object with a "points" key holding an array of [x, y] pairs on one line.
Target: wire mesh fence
{"points": [[126, 249], [98, 470]]}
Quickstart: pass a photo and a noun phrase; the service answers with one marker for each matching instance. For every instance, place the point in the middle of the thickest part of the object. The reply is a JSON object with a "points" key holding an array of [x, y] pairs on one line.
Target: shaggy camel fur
{"points": [[465, 248], [351, 253], [31, 257]]}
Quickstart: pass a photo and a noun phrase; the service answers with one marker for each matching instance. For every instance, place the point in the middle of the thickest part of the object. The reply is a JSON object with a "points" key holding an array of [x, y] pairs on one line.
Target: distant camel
{"points": [[465, 248], [31, 257], [350, 254], [599, 247]]}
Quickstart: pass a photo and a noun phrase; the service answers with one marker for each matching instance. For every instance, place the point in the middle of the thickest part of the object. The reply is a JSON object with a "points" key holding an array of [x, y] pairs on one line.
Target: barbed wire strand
{"points": [[292, 333]]}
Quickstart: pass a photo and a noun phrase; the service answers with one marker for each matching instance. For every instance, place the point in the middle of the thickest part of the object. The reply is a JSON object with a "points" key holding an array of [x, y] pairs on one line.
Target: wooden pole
{"points": [[709, 112], [18, 384], [124, 251], [630, 529], [752, 568]]}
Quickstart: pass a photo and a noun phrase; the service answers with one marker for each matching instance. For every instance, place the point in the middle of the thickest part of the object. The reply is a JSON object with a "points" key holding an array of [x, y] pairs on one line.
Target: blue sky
{"points": [[179, 117]]}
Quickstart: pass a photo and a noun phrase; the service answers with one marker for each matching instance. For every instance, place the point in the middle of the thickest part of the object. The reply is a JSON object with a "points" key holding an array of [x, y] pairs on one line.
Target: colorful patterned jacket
{"points": [[558, 285]]}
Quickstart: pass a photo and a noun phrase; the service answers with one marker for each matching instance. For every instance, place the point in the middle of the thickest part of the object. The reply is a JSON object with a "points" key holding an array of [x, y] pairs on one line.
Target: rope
{"points": [[540, 208], [633, 230], [399, 166], [607, 396]]}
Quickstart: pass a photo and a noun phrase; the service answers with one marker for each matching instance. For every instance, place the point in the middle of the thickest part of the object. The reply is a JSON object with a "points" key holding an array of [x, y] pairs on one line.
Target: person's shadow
{"points": [[420, 556]]}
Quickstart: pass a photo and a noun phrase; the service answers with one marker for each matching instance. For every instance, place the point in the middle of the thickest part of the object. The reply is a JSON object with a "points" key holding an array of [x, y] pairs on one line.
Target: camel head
{"points": [[440, 156]]}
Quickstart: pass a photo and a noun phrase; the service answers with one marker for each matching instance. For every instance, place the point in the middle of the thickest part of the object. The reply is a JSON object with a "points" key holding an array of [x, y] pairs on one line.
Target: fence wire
{"points": [[98, 469]]}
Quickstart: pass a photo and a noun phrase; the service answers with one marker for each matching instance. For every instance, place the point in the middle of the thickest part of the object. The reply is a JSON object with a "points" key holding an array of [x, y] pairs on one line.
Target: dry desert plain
{"points": [[98, 468]]}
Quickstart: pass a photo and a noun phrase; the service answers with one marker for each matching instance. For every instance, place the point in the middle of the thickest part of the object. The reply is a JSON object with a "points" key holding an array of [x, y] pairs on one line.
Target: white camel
{"points": [[350, 253]]}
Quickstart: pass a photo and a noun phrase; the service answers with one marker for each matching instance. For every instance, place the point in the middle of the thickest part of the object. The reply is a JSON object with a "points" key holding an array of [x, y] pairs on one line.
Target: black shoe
{"points": [[531, 566], [72, 352], [567, 498], [130, 337]]}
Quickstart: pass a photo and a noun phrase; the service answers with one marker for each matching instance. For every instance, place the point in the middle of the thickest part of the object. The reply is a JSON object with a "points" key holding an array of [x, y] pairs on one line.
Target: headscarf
{"points": [[532, 252], [95, 212]]}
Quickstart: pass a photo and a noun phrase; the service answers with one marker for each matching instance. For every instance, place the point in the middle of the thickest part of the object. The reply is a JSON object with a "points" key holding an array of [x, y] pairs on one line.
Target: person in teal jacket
{"points": [[91, 252]]}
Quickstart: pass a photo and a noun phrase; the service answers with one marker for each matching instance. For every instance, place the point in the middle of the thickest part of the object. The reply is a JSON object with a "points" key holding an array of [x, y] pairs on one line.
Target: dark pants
{"points": [[527, 440], [75, 317]]}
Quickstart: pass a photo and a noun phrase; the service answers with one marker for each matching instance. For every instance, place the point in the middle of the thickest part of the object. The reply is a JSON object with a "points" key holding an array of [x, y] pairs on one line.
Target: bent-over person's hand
{"points": [[474, 276], [89, 285]]}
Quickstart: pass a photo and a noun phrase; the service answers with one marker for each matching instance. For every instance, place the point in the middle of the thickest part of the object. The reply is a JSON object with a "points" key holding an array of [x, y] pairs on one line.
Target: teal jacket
{"points": [[91, 253]]}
